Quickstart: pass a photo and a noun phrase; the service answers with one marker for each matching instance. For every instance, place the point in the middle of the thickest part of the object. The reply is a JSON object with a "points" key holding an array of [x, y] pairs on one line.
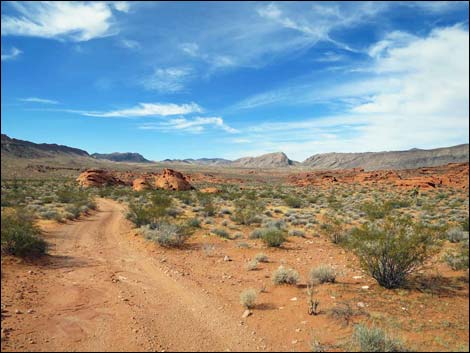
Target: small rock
{"points": [[226, 258], [30, 311], [17, 311], [293, 299], [246, 313], [294, 342], [361, 305], [365, 287]]}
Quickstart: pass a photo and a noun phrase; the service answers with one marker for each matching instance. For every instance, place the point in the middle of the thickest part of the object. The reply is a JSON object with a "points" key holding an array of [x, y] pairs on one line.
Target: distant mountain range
{"points": [[121, 157], [409, 159]]}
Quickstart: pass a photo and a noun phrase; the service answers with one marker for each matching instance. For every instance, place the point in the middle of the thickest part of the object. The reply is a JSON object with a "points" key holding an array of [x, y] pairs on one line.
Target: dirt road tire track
{"points": [[101, 292]]}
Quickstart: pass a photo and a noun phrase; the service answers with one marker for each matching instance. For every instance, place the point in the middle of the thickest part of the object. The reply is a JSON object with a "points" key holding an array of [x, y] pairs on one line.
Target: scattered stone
{"points": [[17, 311], [226, 258], [293, 299], [365, 287], [361, 305], [246, 313]]}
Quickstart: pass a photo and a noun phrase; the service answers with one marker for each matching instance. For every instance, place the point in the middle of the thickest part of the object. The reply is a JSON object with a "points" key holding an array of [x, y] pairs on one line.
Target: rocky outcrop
{"points": [[454, 175], [140, 184], [98, 177], [270, 160], [172, 180]]}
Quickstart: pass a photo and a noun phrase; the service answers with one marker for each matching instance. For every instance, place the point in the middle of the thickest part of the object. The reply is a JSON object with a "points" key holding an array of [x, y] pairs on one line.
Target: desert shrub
{"points": [[293, 202], [261, 257], [221, 233], [20, 236], [74, 210], [296, 233], [225, 211], [342, 312], [247, 211], [174, 212], [248, 298], [252, 265], [322, 274], [194, 222], [465, 224], [285, 276], [273, 237], [208, 207], [279, 224], [456, 235], [375, 210], [140, 215], [224, 223], [458, 260], [392, 249], [375, 340], [167, 234], [333, 228], [255, 234]]}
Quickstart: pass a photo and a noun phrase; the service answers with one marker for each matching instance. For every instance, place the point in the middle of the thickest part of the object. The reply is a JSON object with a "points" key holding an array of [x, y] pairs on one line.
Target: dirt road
{"points": [[99, 291]]}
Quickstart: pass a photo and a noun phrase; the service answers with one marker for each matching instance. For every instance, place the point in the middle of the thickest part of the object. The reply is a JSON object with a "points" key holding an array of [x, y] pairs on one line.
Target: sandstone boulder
{"points": [[98, 177], [172, 180], [140, 184]]}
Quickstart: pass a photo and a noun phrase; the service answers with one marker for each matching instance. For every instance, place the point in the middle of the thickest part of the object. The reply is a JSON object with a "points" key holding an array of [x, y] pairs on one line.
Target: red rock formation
{"points": [[97, 177], [140, 184], [172, 180]]}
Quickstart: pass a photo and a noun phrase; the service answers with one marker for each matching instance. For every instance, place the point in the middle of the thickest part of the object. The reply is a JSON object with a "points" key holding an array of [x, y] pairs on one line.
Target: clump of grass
{"points": [[342, 312], [376, 340], [296, 233], [221, 233], [273, 237], [285, 276], [20, 237], [333, 228], [167, 234], [194, 222], [252, 265], [456, 235], [458, 260], [248, 298], [260, 257], [322, 274]]}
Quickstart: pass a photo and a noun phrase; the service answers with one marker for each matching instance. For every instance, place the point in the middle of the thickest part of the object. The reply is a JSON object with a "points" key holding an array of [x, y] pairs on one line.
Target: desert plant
{"points": [[342, 312], [252, 265], [322, 274], [312, 303], [221, 233], [247, 211], [333, 228], [456, 235], [375, 340], [20, 236], [261, 257], [393, 249], [296, 233], [166, 234], [285, 276], [273, 237], [248, 298], [458, 260], [293, 202]]}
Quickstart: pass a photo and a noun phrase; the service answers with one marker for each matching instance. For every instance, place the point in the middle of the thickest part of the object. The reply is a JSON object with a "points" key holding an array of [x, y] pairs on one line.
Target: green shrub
{"points": [[19, 235], [322, 274], [293, 202], [273, 237], [221, 233], [285, 276], [458, 260], [167, 234], [393, 249], [247, 211], [252, 265], [375, 340], [456, 235], [333, 228], [261, 257], [194, 222], [296, 233], [248, 298]]}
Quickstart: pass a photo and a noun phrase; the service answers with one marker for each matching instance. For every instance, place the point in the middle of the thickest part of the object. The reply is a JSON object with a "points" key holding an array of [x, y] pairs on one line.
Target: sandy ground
{"points": [[103, 287], [98, 291]]}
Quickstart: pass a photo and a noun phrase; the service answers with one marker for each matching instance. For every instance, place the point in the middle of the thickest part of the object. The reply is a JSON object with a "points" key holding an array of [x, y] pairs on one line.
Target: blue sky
{"points": [[225, 79]]}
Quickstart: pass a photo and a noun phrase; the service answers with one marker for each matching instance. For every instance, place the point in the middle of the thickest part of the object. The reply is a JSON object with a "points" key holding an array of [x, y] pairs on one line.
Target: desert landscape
{"points": [[235, 176]]}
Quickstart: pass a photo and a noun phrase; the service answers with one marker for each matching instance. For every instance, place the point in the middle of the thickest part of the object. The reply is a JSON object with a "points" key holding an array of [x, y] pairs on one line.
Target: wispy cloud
{"points": [[147, 109], [38, 100], [129, 44], [195, 125], [64, 20], [11, 54], [168, 80], [414, 93]]}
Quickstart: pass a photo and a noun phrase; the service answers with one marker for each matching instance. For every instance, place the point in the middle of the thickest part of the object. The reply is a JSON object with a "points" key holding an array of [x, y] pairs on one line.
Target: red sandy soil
{"points": [[103, 287]]}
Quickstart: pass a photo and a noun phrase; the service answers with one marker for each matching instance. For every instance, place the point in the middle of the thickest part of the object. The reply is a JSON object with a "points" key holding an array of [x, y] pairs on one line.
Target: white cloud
{"points": [[63, 20], [195, 125], [123, 6], [129, 44], [11, 54], [414, 94], [168, 80], [38, 100], [146, 109]]}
